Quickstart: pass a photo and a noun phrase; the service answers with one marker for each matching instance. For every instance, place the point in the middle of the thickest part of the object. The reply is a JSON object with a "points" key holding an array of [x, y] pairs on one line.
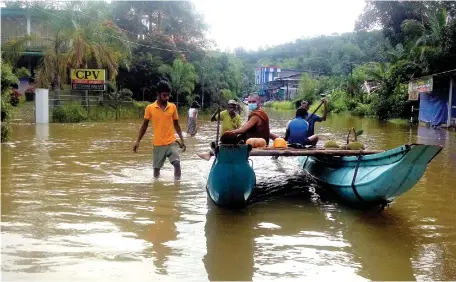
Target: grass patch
{"points": [[314, 106], [69, 113], [399, 121], [283, 105]]}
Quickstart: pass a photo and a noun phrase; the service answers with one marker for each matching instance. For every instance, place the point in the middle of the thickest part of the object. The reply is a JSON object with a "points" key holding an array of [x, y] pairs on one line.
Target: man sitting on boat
{"points": [[298, 128], [257, 126], [229, 119], [314, 117]]}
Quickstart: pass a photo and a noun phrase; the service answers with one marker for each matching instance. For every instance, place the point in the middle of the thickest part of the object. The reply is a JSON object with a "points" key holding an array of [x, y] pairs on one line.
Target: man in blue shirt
{"points": [[314, 118], [297, 131]]}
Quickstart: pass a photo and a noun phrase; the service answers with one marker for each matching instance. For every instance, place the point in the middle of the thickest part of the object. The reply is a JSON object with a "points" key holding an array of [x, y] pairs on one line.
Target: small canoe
{"points": [[372, 179], [231, 179]]}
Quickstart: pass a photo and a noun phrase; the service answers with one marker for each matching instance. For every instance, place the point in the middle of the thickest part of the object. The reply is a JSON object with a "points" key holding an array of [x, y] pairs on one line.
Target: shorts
{"points": [[162, 152]]}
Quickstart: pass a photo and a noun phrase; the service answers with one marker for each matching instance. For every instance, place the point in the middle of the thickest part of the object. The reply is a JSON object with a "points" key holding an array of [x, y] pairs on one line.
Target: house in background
{"points": [[17, 22], [436, 97], [276, 83], [263, 75]]}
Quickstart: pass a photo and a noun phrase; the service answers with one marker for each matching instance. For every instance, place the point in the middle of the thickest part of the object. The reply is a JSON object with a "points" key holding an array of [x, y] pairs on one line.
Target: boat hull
{"points": [[231, 179], [372, 179]]}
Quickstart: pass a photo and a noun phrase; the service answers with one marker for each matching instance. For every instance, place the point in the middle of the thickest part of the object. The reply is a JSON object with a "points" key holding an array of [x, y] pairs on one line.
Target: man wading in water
{"points": [[164, 120]]}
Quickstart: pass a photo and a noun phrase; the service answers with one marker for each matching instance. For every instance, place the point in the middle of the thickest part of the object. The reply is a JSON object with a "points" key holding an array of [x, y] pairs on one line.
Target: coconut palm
{"points": [[426, 34], [73, 45], [182, 75]]}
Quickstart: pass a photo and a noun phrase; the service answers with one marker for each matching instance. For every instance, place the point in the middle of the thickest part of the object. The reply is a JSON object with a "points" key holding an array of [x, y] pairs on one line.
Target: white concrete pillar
{"points": [[41, 105]]}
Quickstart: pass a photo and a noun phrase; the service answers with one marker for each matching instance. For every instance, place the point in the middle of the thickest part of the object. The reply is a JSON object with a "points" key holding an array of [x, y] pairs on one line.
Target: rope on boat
{"points": [[354, 179]]}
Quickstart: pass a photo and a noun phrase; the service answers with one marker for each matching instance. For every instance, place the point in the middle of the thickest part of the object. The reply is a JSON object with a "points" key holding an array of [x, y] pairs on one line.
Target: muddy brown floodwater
{"points": [[77, 204]]}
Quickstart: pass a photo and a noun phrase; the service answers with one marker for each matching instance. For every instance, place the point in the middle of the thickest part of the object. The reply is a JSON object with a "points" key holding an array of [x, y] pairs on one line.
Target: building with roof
{"points": [[436, 98]]}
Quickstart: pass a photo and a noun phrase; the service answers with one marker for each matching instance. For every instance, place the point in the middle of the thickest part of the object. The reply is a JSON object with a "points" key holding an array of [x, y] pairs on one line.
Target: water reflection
{"points": [[383, 243], [77, 203], [159, 223], [293, 236], [230, 245]]}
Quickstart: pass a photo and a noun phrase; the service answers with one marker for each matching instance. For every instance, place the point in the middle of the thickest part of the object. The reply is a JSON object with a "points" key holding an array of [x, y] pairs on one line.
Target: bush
{"points": [[283, 105], [363, 110], [71, 112], [337, 102], [6, 129], [268, 104]]}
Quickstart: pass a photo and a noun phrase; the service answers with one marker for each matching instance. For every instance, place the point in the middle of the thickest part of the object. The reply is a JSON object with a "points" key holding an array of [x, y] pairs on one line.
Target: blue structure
{"points": [[362, 179], [263, 75], [437, 98], [231, 180], [372, 179]]}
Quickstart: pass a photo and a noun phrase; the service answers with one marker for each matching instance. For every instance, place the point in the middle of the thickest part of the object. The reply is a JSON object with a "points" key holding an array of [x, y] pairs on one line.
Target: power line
{"points": [[131, 32], [120, 38]]}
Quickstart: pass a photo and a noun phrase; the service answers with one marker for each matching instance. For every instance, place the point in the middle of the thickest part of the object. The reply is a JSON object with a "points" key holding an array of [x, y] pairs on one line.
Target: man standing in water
{"points": [[165, 121]]}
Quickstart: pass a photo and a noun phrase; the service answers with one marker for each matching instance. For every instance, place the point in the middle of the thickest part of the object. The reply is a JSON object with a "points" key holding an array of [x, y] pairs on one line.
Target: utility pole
{"points": [[202, 85]]}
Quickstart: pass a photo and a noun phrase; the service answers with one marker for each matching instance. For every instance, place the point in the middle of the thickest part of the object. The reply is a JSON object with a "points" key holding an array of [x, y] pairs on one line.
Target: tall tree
{"points": [[182, 76]]}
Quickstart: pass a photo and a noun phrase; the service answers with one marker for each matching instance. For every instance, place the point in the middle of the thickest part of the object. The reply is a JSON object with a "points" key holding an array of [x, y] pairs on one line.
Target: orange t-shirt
{"points": [[163, 123]]}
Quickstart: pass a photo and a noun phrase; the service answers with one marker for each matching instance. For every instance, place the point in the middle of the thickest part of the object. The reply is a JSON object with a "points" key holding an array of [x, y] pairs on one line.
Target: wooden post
{"points": [[202, 94], [450, 101], [288, 95]]}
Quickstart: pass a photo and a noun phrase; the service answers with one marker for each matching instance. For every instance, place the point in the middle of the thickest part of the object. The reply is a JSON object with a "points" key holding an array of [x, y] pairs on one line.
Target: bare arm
{"points": [[213, 117], [178, 130], [325, 110], [142, 131], [273, 136], [251, 123], [287, 134]]}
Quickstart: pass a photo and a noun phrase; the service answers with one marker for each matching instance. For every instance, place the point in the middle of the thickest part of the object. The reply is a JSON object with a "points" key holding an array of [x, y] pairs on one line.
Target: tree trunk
{"points": [[202, 94], [57, 89], [159, 22], [150, 23], [87, 95]]}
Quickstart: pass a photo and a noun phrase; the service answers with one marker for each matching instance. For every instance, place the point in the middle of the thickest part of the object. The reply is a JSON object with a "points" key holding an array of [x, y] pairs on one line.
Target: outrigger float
{"points": [[359, 176]]}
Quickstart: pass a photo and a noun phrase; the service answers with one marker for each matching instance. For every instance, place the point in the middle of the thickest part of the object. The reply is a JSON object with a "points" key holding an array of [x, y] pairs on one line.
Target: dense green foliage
{"points": [[71, 112], [7, 78], [415, 39], [142, 42]]}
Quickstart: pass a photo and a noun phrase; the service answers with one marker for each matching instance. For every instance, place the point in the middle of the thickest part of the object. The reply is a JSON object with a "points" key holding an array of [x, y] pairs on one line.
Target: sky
{"points": [[259, 23]]}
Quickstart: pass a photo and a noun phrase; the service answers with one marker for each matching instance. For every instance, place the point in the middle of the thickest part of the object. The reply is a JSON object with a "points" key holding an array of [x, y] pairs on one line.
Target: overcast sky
{"points": [[255, 23]]}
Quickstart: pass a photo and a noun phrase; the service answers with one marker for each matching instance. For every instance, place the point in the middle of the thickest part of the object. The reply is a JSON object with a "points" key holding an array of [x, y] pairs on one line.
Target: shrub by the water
{"points": [[69, 113], [268, 104], [283, 105]]}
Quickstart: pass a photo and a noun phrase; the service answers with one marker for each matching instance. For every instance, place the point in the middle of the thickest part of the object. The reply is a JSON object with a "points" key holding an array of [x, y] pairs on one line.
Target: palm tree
{"points": [[426, 34], [74, 45], [182, 75]]}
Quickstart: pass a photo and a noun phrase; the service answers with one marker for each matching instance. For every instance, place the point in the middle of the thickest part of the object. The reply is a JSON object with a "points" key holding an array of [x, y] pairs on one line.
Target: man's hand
{"points": [[135, 147], [182, 145], [324, 100]]}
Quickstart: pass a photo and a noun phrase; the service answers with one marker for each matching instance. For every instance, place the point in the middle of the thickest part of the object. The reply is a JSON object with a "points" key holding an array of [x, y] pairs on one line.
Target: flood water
{"points": [[78, 204]]}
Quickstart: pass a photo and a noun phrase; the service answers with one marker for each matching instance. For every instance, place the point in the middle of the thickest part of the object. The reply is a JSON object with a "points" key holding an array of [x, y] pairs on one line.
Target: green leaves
{"points": [[182, 75]]}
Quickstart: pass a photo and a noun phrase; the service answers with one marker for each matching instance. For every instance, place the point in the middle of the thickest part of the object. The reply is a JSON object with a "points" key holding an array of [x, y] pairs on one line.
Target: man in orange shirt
{"points": [[165, 120]]}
